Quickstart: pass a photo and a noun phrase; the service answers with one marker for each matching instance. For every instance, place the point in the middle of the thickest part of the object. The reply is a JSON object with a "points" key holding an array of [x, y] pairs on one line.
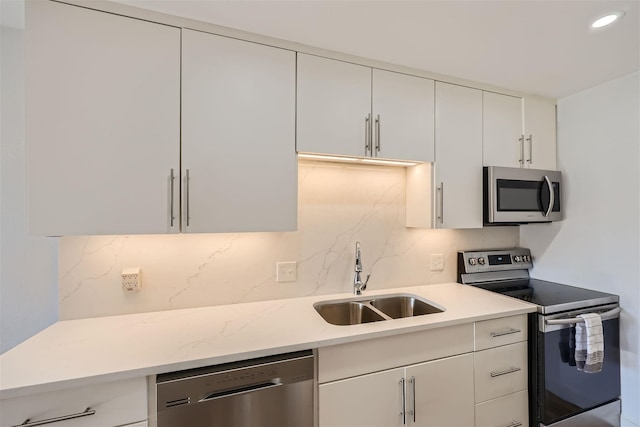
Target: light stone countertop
{"points": [[87, 351]]}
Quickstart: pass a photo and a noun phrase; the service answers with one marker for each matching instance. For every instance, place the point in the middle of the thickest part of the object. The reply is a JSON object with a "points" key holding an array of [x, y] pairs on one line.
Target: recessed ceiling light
{"points": [[607, 20]]}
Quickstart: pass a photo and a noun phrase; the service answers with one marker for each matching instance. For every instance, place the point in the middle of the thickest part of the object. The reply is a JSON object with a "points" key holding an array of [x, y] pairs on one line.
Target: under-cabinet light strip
{"points": [[356, 160]]}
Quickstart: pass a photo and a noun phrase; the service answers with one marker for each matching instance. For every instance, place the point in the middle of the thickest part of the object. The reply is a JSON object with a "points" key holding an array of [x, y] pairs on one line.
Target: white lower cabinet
{"points": [[501, 373], [431, 378], [507, 411], [373, 400], [119, 403], [423, 378], [438, 393]]}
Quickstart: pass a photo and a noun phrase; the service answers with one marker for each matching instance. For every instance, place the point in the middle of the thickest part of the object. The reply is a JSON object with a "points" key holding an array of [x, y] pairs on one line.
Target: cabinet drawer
{"points": [[507, 411], [357, 358], [500, 371], [114, 403], [496, 332]]}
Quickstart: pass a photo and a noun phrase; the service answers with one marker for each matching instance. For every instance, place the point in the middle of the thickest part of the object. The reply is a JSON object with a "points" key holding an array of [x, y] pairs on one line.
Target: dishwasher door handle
{"points": [[241, 390]]}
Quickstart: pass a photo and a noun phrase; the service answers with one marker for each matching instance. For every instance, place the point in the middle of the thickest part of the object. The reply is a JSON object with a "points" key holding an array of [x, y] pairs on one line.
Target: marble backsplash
{"points": [[339, 204]]}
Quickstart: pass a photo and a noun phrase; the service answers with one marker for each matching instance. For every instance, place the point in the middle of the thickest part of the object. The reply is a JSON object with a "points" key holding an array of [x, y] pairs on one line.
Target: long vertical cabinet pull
{"points": [[441, 210], [412, 381], [367, 135], [521, 141], [377, 135], [172, 179], [530, 141], [186, 197], [403, 413]]}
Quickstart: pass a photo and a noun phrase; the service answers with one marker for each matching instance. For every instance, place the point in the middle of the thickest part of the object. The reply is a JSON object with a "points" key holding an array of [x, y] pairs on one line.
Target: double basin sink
{"points": [[374, 309]]}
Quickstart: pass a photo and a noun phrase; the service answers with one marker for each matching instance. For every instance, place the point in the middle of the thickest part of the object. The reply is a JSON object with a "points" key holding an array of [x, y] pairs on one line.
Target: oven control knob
{"points": [[527, 258], [472, 261], [518, 258], [481, 261]]}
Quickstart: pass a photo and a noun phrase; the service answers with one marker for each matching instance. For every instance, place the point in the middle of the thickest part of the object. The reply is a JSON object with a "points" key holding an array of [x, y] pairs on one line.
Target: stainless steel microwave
{"points": [[520, 196]]}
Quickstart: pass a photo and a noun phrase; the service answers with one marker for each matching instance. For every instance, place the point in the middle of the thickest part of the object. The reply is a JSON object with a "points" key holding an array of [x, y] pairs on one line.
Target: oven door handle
{"points": [[606, 315]]}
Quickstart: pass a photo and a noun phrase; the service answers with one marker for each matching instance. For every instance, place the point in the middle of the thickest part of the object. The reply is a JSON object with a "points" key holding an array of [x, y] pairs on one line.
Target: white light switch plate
{"points": [[286, 271], [437, 262]]}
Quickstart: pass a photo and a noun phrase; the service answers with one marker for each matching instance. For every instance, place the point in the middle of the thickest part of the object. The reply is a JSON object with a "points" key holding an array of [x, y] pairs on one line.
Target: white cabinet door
{"points": [[458, 167], [373, 400], [103, 122], [239, 166], [402, 116], [540, 134], [503, 141], [116, 403], [440, 392], [334, 106]]}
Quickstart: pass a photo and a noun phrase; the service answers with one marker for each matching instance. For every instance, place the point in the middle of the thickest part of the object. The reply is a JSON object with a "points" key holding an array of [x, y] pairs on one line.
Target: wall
{"points": [[598, 244], [338, 205], [28, 267]]}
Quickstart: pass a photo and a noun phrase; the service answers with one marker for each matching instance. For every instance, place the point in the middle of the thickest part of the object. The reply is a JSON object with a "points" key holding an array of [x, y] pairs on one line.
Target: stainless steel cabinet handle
{"points": [[505, 372], [186, 196], [509, 332], [403, 414], [29, 423], [413, 398], [377, 134], [521, 140], [604, 316], [172, 216], [530, 140], [367, 135], [515, 424], [552, 195], [441, 213]]}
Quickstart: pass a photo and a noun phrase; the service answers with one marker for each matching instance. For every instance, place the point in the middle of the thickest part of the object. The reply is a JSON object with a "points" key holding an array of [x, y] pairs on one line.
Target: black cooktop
{"points": [[549, 296]]}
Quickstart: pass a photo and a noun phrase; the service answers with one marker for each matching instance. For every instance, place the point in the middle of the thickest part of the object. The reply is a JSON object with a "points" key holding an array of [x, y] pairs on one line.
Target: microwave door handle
{"points": [[552, 198]]}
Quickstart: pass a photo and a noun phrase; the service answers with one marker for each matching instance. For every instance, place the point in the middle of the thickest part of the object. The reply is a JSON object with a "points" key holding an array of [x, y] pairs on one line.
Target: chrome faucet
{"points": [[358, 285]]}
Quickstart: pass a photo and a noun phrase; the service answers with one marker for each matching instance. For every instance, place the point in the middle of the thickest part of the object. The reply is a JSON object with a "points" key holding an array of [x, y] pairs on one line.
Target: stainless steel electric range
{"points": [[559, 394]]}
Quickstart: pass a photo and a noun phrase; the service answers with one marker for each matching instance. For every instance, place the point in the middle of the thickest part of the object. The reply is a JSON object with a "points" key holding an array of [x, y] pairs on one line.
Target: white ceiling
{"points": [[542, 47]]}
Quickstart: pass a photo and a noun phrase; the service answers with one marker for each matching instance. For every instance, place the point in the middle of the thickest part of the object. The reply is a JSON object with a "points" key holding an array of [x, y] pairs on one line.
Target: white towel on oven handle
{"points": [[589, 353]]}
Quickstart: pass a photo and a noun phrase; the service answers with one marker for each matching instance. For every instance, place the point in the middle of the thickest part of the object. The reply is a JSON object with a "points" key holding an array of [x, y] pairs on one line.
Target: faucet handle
{"points": [[364, 285]]}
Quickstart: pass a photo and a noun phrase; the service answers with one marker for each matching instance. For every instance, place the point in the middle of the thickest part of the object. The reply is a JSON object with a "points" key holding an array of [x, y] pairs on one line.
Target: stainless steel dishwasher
{"points": [[274, 391]]}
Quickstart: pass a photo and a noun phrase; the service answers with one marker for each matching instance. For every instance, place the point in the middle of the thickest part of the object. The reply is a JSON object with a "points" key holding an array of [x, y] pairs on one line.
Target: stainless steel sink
{"points": [[403, 306], [348, 313], [365, 310]]}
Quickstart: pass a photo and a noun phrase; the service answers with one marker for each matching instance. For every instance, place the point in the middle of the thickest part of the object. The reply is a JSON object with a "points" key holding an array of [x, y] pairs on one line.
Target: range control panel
{"points": [[494, 260]]}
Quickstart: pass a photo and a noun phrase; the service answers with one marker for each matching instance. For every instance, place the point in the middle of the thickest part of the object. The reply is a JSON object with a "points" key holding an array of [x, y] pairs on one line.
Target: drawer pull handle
{"points": [[509, 332], [515, 424], [508, 371], [29, 423]]}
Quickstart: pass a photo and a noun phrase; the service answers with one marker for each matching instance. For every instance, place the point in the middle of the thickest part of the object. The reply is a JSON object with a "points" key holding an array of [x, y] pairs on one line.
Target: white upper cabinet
{"points": [[402, 116], [353, 110], [239, 166], [102, 123], [518, 132], [540, 134], [334, 106], [503, 139], [458, 167]]}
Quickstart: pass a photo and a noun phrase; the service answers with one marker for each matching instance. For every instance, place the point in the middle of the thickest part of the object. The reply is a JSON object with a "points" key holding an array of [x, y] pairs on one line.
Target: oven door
{"points": [[563, 390], [514, 195]]}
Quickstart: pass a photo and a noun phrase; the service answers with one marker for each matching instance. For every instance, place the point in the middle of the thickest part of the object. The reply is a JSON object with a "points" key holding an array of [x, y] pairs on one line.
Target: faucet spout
{"points": [[358, 284]]}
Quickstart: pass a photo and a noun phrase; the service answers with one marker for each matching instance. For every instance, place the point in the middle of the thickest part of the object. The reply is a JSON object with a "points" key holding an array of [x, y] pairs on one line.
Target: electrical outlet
{"points": [[437, 262], [131, 279], [286, 271]]}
